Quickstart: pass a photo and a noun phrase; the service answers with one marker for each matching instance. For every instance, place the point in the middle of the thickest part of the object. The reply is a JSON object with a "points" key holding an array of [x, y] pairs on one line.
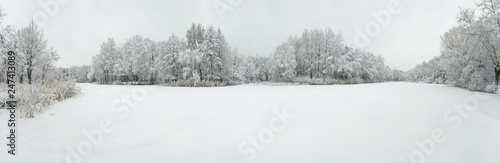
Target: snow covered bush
{"points": [[3, 95], [117, 82], [32, 99], [317, 81], [190, 83], [491, 89], [280, 84]]}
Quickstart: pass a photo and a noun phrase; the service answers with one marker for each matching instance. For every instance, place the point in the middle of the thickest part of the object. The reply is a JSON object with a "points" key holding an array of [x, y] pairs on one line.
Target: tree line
{"points": [[470, 51], [322, 55], [205, 56]]}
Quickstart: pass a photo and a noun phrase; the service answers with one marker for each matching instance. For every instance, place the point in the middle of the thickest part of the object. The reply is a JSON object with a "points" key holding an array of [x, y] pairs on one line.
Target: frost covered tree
{"points": [[47, 63], [190, 61], [237, 65], [195, 36], [283, 63], [136, 58], [33, 48], [263, 68], [169, 63], [213, 49], [103, 65], [151, 52]]}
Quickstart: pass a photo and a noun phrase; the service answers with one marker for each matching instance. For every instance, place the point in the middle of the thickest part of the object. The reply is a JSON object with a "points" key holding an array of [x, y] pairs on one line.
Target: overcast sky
{"points": [[254, 27]]}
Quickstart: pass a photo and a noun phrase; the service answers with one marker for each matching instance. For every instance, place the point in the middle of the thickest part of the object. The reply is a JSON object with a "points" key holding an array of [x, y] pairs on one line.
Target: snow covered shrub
{"points": [[229, 83], [491, 89], [301, 80], [189, 83], [325, 81], [356, 80], [63, 89], [3, 95], [280, 84], [32, 99], [318, 82], [117, 82], [477, 82]]}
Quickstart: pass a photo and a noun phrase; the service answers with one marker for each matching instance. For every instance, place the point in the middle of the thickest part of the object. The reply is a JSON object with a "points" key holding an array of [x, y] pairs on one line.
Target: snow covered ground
{"points": [[387, 122]]}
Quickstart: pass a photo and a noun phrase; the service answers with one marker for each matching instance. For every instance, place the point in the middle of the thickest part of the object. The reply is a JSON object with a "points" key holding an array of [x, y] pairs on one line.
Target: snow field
{"points": [[386, 122]]}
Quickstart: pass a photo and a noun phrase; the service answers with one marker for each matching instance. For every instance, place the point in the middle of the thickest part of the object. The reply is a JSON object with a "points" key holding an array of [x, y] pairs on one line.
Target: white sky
{"points": [[255, 27]]}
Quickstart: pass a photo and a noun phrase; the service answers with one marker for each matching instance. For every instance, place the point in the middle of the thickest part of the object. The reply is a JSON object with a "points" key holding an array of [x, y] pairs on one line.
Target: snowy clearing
{"points": [[387, 122]]}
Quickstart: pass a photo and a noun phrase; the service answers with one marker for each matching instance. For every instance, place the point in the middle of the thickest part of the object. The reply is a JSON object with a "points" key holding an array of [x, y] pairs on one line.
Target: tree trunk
{"points": [[497, 74], [43, 74], [30, 71], [21, 78], [201, 73]]}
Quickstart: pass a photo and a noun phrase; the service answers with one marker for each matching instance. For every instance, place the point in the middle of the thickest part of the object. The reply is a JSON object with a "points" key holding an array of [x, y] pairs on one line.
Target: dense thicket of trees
{"points": [[470, 53], [205, 56], [322, 54]]}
